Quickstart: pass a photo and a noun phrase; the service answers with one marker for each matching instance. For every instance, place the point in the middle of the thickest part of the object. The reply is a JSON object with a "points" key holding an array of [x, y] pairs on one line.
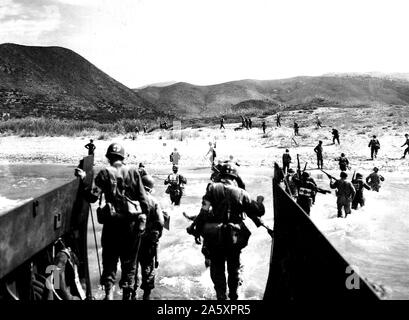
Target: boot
{"points": [[221, 295], [233, 295], [146, 294], [127, 293], [109, 293]]}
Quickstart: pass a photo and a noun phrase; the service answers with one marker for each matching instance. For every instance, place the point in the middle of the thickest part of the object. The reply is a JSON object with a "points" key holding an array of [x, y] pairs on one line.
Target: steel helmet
{"points": [[228, 169], [148, 182], [358, 175], [115, 149], [375, 169], [343, 174], [175, 168], [305, 175]]}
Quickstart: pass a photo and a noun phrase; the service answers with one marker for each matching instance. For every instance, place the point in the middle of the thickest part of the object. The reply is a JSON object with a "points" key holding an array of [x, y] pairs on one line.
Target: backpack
{"points": [[377, 145]]}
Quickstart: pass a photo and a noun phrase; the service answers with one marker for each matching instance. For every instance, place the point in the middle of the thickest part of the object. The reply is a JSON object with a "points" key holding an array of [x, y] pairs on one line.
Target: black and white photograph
{"points": [[226, 153]]}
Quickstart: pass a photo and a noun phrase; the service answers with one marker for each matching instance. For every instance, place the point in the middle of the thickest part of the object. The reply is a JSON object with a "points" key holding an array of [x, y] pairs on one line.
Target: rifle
{"points": [[328, 175], [156, 256], [323, 191], [305, 167], [270, 231], [298, 166], [353, 176]]}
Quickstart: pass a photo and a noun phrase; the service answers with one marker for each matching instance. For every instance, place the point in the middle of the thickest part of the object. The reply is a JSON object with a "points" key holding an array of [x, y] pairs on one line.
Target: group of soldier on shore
{"points": [[349, 194], [133, 220]]}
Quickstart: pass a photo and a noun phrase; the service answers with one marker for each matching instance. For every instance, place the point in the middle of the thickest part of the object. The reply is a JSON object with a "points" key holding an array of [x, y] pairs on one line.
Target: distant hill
{"points": [[56, 82], [332, 90]]}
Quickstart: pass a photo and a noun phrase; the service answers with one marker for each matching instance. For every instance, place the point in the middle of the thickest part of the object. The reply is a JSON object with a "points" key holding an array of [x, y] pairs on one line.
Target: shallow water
{"points": [[375, 238], [182, 273]]}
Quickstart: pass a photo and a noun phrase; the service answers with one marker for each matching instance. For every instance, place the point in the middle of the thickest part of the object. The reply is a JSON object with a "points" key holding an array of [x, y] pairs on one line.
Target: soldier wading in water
{"points": [[123, 217], [220, 223], [175, 187], [147, 256]]}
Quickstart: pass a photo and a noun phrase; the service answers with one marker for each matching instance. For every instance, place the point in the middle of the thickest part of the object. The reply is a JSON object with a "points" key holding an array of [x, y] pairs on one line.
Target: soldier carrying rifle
{"points": [[306, 188], [345, 192]]}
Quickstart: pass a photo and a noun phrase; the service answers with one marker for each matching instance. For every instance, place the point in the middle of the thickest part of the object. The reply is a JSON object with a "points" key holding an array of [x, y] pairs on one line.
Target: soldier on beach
{"points": [[264, 126], [175, 157], [345, 193], [335, 136], [246, 122], [296, 127], [278, 120], [211, 153], [123, 218], [145, 128], [318, 150], [318, 122], [250, 123], [374, 180], [91, 147], [375, 146], [222, 123], [286, 161], [343, 162], [243, 123], [406, 144]]}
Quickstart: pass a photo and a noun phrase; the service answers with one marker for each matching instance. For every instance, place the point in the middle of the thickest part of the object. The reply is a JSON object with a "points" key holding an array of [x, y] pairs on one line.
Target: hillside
{"points": [[228, 97], [58, 83]]}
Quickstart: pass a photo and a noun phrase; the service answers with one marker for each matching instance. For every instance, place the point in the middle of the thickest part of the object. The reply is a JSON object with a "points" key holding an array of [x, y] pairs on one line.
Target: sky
{"points": [[140, 42]]}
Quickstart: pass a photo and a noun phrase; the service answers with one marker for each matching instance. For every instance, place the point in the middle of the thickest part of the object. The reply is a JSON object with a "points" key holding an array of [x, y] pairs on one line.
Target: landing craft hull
{"points": [[28, 233], [303, 264]]}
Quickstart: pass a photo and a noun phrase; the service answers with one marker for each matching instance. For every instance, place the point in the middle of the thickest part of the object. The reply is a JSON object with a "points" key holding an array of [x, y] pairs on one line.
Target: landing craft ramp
{"points": [[304, 265], [28, 234]]}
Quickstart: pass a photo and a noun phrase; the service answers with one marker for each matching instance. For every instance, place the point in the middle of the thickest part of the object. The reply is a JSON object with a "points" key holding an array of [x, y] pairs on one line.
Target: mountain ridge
{"points": [[217, 99], [59, 83]]}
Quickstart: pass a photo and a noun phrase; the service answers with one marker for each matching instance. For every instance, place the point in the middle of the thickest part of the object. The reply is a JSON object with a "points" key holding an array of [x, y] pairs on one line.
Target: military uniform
{"points": [[278, 120], [120, 184], [148, 246], [374, 181], [343, 163], [335, 136], [375, 146], [296, 128], [359, 198], [318, 150], [345, 194], [224, 232], [91, 148], [175, 188], [406, 144], [286, 161], [306, 191]]}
